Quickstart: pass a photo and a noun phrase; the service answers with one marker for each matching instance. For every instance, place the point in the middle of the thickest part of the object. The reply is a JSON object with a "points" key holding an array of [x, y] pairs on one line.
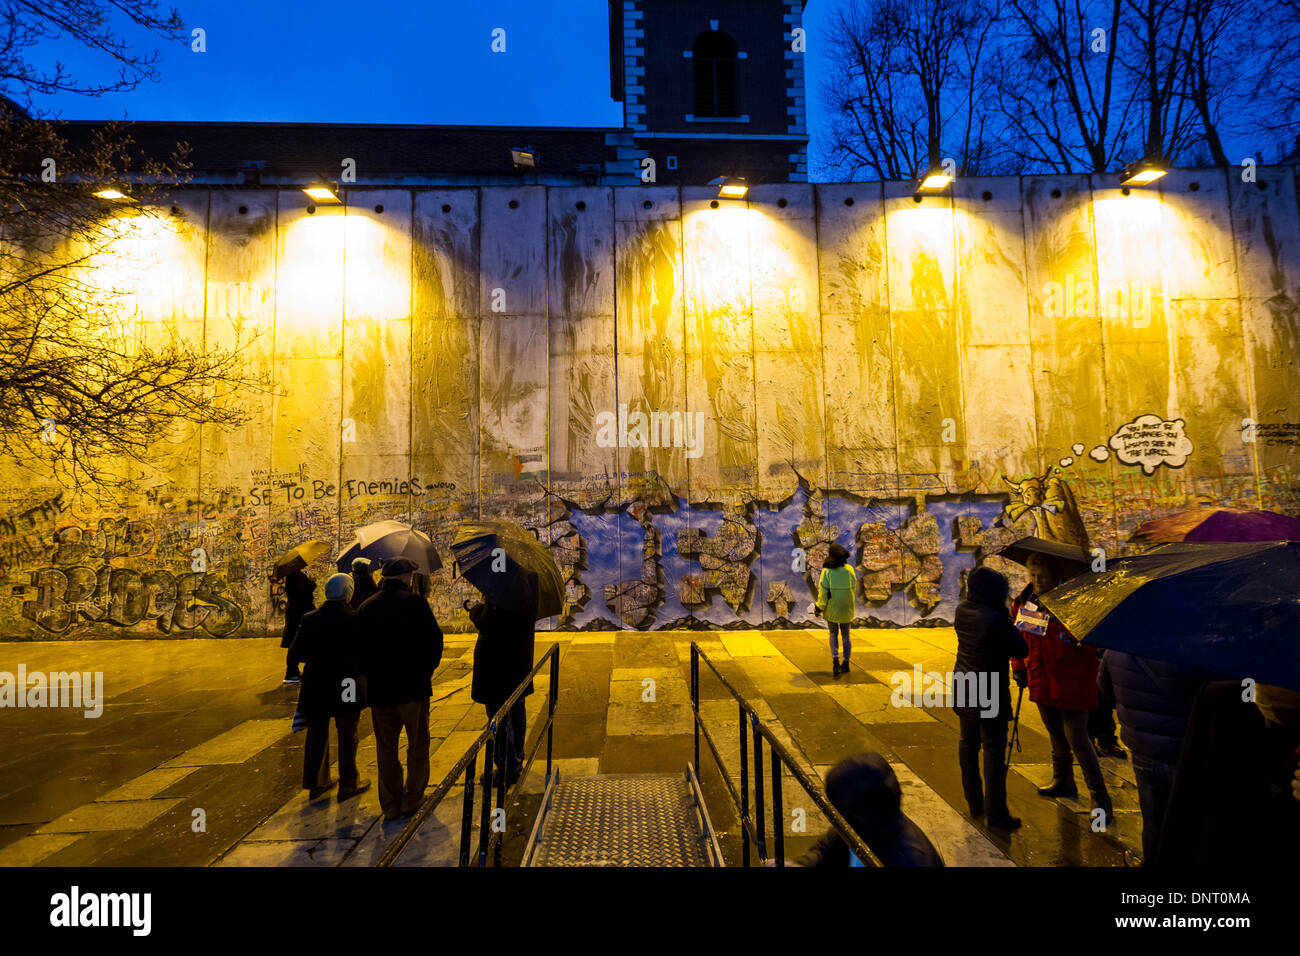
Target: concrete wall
{"points": [[860, 368]]}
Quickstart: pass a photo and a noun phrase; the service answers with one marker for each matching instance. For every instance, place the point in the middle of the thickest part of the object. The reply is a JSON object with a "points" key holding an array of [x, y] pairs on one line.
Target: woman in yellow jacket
{"points": [[835, 593]]}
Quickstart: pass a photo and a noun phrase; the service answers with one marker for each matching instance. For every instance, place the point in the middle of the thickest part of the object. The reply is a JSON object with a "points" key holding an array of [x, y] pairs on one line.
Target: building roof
{"points": [[292, 152]]}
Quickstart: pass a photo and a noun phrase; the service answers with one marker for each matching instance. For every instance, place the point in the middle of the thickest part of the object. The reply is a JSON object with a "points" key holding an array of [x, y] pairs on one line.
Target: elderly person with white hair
{"points": [[329, 646]]}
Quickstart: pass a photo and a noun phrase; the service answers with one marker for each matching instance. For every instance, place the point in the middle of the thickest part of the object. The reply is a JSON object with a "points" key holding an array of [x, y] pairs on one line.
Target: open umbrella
{"points": [[1220, 524], [384, 540], [1075, 557], [496, 573], [299, 557], [1228, 608]]}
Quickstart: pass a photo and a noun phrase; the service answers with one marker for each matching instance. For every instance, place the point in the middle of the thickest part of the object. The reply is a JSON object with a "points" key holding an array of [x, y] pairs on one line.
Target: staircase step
{"points": [[644, 819]]}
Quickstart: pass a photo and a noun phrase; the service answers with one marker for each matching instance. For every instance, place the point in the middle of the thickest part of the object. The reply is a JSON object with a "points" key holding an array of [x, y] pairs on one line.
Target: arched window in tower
{"points": [[714, 56]]}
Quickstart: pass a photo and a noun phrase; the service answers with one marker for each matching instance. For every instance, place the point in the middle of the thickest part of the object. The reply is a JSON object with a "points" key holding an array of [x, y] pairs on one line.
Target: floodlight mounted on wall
{"points": [[1142, 173], [321, 191], [731, 187], [933, 181], [523, 157], [113, 194]]}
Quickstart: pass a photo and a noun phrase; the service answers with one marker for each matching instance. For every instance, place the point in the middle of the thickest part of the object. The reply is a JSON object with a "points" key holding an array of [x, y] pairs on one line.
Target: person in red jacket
{"points": [[1062, 676]]}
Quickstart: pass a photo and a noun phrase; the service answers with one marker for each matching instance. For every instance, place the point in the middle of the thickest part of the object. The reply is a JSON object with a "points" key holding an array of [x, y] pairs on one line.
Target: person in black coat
{"points": [[503, 657], [986, 643], [298, 590], [1154, 700], [363, 582], [865, 791], [403, 647], [329, 645], [1231, 804]]}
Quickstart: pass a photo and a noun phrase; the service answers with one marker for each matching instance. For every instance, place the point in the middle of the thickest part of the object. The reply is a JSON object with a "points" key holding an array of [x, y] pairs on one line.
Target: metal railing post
{"points": [[760, 824], [553, 694], [778, 812], [695, 701], [744, 788], [467, 811], [485, 816], [504, 736]]}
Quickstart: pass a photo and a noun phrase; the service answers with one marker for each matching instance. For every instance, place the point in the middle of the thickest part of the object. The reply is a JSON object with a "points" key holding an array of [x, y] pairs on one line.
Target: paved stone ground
{"points": [[204, 725]]}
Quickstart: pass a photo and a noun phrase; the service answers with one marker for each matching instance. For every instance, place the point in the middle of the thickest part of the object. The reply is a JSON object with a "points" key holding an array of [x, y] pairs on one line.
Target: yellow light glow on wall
{"points": [[1143, 256], [922, 254], [139, 266], [717, 258]]}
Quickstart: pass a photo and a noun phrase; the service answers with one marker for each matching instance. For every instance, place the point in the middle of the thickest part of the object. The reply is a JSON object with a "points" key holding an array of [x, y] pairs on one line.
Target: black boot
{"points": [[1004, 821], [1059, 788], [835, 665]]}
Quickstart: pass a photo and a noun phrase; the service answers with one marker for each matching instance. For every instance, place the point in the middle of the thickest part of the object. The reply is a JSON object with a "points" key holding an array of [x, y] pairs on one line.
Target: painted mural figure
{"points": [[1049, 499]]}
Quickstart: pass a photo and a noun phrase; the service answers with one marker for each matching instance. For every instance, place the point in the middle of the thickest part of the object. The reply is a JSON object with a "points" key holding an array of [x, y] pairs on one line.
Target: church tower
{"points": [[709, 88]]}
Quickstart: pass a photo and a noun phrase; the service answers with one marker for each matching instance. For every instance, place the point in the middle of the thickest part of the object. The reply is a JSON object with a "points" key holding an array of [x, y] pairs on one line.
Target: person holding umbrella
{"points": [[403, 647], [503, 657], [521, 584], [986, 642], [1062, 678], [298, 590]]}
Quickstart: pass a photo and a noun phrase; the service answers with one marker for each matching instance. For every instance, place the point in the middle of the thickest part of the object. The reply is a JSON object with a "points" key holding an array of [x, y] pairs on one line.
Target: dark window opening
{"points": [[716, 64]]}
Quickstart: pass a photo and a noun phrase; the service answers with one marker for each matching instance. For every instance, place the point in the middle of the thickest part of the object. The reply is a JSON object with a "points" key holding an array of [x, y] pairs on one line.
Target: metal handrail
{"points": [[755, 828], [494, 737]]}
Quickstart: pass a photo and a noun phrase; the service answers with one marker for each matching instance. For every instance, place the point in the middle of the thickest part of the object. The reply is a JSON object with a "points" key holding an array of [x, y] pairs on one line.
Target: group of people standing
{"points": [[377, 647], [1191, 733]]}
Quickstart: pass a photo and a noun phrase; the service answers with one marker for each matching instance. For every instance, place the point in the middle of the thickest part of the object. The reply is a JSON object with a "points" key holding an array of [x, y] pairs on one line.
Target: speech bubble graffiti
{"points": [[1150, 441]]}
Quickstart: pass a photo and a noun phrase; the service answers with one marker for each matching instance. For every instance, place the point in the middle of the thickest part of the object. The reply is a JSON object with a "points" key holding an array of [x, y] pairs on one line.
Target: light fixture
{"points": [[525, 157], [731, 187], [1143, 173], [322, 192], [935, 180], [111, 193]]}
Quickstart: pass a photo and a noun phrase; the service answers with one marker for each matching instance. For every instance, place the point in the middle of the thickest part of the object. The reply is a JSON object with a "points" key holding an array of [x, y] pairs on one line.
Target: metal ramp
{"points": [[644, 819]]}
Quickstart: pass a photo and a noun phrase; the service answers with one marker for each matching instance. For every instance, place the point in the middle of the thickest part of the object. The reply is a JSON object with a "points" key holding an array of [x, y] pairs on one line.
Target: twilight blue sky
{"points": [[395, 61]]}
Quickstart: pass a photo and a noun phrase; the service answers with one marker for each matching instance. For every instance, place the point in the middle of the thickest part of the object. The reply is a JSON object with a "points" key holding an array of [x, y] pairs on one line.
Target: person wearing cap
{"points": [[866, 792], [363, 582], [329, 645], [403, 647]]}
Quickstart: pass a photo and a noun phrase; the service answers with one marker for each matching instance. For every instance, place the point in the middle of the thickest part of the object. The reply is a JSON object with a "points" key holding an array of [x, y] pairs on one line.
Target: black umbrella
{"points": [[1228, 608], [384, 540], [1075, 557], [492, 555]]}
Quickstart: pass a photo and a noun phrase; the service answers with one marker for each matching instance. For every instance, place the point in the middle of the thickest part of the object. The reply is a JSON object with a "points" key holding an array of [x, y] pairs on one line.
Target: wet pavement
{"points": [[193, 762]]}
